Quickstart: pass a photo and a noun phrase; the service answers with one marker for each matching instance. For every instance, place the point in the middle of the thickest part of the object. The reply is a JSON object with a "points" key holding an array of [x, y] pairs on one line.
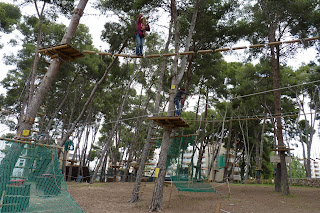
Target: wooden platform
{"points": [[281, 149], [173, 122], [65, 51]]}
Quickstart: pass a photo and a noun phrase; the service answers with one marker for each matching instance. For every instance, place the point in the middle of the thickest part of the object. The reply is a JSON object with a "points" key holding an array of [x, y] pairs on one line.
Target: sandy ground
{"points": [[113, 197]]}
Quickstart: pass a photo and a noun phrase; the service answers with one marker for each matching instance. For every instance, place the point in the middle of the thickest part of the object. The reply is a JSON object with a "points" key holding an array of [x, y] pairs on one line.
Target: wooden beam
{"points": [[169, 54], [293, 41], [257, 45], [136, 56], [239, 48], [153, 56], [275, 43], [32, 143], [89, 52], [105, 53], [121, 55], [312, 39], [222, 49], [53, 48], [187, 53], [205, 51]]}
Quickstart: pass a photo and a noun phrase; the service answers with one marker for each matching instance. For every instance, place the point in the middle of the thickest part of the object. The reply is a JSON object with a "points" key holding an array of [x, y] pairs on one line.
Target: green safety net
{"points": [[31, 180], [221, 161], [182, 164]]}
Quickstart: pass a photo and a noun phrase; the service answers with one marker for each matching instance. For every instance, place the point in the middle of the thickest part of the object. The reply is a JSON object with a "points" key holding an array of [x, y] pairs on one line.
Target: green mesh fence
{"points": [[182, 164], [31, 180]]}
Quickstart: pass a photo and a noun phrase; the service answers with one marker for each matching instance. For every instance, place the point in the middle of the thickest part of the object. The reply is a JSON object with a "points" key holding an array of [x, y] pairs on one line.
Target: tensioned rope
{"points": [[204, 51]]}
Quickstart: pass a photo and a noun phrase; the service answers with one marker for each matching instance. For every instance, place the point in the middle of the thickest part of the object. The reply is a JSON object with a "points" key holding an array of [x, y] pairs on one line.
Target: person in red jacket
{"points": [[142, 27]]}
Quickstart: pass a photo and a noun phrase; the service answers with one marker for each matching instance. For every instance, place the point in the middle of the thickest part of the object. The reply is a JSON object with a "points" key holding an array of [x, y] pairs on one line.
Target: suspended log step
{"points": [[153, 56], [222, 49], [187, 53], [104, 53], [89, 52], [64, 51], [205, 51], [169, 121], [136, 56], [257, 46], [239, 48]]}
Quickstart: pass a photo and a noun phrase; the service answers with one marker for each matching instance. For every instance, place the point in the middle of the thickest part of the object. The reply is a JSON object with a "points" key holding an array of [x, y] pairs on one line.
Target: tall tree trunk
{"points": [[217, 148], [103, 170], [135, 195], [79, 136], [277, 103], [203, 144], [261, 151], [156, 203], [94, 135]]}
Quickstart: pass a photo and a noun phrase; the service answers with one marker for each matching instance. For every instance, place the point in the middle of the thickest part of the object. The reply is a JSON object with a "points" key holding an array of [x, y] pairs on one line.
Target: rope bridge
{"points": [[204, 51]]}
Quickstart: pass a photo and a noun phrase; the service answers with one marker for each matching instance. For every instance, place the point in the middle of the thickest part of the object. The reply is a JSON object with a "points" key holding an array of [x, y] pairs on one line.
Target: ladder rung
{"points": [[20, 177], [36, 157], [11, 204], [24, 167], [16, 196], [15, 186]]}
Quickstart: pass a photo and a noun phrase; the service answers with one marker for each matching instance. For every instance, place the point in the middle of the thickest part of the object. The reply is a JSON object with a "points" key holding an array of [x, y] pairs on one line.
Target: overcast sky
{"points": [[96, 22]]}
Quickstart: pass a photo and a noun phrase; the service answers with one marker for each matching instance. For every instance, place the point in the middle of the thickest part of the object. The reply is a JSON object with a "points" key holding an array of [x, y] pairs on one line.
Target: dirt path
{"points": [[113, 197]]}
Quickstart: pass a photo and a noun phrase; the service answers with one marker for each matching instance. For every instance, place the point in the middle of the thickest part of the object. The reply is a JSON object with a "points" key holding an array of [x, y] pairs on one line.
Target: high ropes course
{"points": [[67, 52]]}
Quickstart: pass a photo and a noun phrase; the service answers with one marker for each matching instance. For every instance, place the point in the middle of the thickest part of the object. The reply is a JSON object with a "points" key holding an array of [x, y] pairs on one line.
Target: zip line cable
{"points": [[258, 93]]}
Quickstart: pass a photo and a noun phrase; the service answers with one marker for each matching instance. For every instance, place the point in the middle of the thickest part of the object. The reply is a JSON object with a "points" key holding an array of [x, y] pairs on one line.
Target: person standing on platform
{"points": [[178, 99], [142, 27]]}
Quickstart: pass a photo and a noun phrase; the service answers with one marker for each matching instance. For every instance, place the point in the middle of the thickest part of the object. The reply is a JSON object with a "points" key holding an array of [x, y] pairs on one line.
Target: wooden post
{"points": [[170, 193], [218, 207], [228, 188]]}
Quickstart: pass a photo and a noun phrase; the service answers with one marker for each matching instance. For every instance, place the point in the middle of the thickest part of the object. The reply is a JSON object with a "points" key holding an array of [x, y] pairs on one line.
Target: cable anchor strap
{"points": [[78, 11]]}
